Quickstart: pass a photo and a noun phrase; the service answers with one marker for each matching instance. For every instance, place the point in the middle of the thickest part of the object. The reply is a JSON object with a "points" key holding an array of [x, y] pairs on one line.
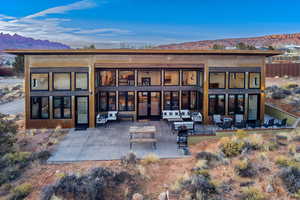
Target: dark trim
{"points": [[126, 101], [62, 107], [229, 79], [107, 100], [197, 74], [258, 106], [59, 93], [76, 116], [164, 78], [126, 70], [87, 76], [40, 107], [30, 79], [234, 69], [216, 105], [189, 100], [259, 80], [148, 88], [236, 103], [59, 69], [54, 81], [171, 100], [210, 78], [234, 91], [146, 69]]}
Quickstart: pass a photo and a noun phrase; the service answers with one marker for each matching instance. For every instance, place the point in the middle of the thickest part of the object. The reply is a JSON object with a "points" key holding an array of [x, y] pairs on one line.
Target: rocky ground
{"points": [[10, 89]]}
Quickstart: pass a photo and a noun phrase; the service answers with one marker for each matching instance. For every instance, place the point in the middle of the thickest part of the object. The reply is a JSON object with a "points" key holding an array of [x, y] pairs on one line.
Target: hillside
{"points": [[263, 41], [16, 41]]}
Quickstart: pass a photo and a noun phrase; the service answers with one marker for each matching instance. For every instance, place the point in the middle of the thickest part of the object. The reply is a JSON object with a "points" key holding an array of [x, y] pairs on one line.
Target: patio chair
{"points": [[241, 124], [269, 123], [238, 118], [112, 115], [226, 125], [182, 137], [196, 117], [281, 123], [217, 120], [185, 114], [101, 119]]}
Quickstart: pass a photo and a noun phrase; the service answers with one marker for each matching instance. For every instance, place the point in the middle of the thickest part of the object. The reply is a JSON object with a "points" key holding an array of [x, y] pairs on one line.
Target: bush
{"points": [[211, 158], [42, 156], [9, 174], [201, 164], [17, 158], [231, 147], [278, 95], [284, 161], [8, 130], [203, 172], [291, 178], [245, 169], [21, 191], [129, 159], [254, 141], [252, 193], [150, 159]]}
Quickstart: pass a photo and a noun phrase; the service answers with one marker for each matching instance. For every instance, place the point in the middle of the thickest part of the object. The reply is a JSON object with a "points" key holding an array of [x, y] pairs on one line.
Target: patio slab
{"points": [[112, 142]]}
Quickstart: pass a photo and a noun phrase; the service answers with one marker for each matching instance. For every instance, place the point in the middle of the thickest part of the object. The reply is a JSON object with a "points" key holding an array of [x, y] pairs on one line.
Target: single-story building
{"points": [[70, 87]]}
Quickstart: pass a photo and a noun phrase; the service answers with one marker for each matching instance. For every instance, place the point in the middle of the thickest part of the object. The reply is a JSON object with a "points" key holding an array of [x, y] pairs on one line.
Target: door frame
{"points": [[258, 106], [76, 116], [149, 116]]}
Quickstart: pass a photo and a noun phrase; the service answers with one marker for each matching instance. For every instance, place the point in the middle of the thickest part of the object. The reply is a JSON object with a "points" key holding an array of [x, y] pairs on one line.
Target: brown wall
{"points": [[282, 69]]}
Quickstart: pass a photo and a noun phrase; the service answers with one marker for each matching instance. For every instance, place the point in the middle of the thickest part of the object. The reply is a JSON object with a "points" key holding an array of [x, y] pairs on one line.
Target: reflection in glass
{"points": [[148, 78], [189, 77], [171, 77], [62, 81], [107, 78], [39, 81], [126, 77], [217, 80]]}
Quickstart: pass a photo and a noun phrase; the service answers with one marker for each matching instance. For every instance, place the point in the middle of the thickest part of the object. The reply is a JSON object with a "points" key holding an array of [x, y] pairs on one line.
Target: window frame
{"points": [[53, 80], [62, 107], [40, 108], [107, 100], [39, 73], [128, 70], [235, 104], [217, 97], [197, 77], [229, 78], [178, 73], [258, 105], [189, 99], [171, 100], [259, 80], [115, 77], [126, 101], [87, 75], [160, 80], [209, 78]]}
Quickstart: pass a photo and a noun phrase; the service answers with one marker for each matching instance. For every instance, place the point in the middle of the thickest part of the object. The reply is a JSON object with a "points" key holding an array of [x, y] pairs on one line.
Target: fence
{"points": [[282, 69]]}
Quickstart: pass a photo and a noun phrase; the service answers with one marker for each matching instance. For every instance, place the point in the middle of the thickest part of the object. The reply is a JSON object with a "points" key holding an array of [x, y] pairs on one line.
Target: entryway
{"points": [[149, 105], [81, 111]]}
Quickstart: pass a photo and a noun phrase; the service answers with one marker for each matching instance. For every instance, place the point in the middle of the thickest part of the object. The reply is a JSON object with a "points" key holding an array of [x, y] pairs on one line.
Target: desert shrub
{"points": [[202, 172], [241, 134], [254, 141], [231, 146], [9, 174], [291, 178], [245, 169], [21, 191], [177, 185], [252, 193], [201, 164], [278, 95], [291, 85], [284, 161], [17, 158], [129, 159], [270, 146], [292, 148], [150, 159], [42, 156], [211, 158], [8, 130]]}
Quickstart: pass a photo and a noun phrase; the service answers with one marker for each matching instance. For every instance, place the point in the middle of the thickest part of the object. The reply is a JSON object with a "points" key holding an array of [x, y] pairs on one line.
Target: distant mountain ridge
{"points": [[278, 41], [16, 41]]}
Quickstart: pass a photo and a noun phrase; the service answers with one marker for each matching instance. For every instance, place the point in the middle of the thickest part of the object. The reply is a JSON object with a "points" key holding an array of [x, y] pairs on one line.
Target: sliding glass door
{"points": [[253, 106]]}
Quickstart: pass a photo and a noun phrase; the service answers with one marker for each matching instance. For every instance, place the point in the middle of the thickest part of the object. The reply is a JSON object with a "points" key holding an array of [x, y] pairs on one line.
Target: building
{"points": [[69, 87]]}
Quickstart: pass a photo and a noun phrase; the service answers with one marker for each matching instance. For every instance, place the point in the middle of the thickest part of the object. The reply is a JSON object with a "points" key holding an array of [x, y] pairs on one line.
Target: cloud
{"points": [[79, 5], [103, 31]]}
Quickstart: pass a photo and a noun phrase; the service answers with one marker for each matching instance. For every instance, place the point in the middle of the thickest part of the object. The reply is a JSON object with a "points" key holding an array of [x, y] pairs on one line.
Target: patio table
{"points": [[142, 134]]}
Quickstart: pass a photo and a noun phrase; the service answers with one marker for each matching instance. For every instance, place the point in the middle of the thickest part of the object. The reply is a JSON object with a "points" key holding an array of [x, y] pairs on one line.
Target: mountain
{"points": [[277, 41], [16, 41]]}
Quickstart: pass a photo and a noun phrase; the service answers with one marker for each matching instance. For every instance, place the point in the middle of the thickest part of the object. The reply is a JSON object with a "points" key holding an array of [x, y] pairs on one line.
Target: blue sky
{"points": [[107, 23]]}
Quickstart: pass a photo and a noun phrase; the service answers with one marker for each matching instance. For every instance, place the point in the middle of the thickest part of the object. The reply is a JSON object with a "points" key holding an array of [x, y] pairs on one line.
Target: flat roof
{"points": [[141, 51]]}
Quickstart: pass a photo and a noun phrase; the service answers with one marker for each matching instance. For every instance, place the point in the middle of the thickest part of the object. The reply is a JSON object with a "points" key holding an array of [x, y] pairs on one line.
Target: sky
{"points": [[109, 23]]}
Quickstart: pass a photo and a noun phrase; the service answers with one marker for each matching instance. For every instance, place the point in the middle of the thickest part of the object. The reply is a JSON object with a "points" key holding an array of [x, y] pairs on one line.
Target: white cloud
{"points": [[103, 31], [79, 5]]}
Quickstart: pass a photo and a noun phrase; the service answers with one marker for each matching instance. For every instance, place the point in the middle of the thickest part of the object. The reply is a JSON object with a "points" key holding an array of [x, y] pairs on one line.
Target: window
{"points": [[217, 80], [254, 80], [236, 104], [126, 101], [171, 100], [216, 104], [236, 80], [107, 78], [61, 81], [107, 101], [148, 77], [39, 107], [81, 82], [201, 79], [62, 108], [39, 81], [171, 77], [253, 106], [189, 100], [189, 77], [126, 77]]}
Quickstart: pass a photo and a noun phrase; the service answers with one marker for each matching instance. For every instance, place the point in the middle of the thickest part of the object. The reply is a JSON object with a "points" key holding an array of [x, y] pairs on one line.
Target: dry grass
{"points": [[150, 159]]}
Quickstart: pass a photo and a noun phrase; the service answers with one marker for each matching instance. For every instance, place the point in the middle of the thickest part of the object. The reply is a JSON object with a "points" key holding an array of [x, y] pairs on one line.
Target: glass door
{"points": [[155, 104], [149, 105], [143, 105], [82, 111], [253, 107]]}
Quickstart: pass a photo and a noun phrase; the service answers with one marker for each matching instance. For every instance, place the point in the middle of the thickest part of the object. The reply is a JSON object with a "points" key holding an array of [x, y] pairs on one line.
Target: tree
{"points": [[8, 130], [18, 64], [218, 46], [243, 46], [92, 46], [271, 47]]}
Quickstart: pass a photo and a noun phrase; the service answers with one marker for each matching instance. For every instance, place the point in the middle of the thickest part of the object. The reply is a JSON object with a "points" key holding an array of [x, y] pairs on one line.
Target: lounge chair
{"points": [[182, 137], [112, 115], [185, 114], [281, 123], [217, 120], [196, 117], [101, 119], [254, 124], [226, 125], [239, 121], [269, 123]]}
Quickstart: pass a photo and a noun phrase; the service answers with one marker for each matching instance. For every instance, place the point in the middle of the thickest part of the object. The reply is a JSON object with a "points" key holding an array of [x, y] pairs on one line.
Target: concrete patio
{"points": [[112, 142]]}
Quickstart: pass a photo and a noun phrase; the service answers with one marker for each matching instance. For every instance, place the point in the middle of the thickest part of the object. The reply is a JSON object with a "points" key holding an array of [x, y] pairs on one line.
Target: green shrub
{"points": [[21, 191], [252, 193], [17, 157], [8, 130], [149, 159], [203, 172], [284, 161], [9, 174], [232, 147], [244, 168]]}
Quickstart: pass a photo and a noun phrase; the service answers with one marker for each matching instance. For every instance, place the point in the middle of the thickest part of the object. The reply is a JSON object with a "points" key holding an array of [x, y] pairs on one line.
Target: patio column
{"points": [[92, 115], [205, 93]]}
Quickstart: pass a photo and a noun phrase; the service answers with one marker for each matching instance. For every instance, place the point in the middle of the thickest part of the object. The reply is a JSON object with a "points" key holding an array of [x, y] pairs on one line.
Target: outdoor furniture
{"points": [[185, 114], [281, 123], [112, 115], [238, 118], [196, 117], [101, 119], [226, 124], [254, 123], [125, 116], [269, 123], [189, 125], [171, 114], [142, 134], [241, 124], [217, 120], [182, 137]]}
